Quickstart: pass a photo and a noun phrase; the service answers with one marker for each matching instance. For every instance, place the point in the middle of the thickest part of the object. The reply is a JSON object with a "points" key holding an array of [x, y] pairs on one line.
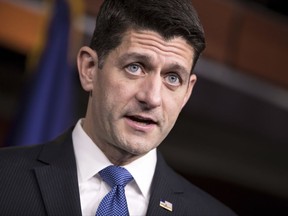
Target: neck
{"points": [[115, 155]]}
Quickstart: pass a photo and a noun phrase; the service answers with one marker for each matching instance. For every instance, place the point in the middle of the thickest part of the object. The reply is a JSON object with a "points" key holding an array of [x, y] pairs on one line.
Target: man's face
{"points": [[140, 90]]}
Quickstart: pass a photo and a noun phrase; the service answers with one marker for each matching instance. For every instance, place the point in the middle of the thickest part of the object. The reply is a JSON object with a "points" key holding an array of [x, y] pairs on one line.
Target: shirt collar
{"points": [[143, 170], [90, 160]]}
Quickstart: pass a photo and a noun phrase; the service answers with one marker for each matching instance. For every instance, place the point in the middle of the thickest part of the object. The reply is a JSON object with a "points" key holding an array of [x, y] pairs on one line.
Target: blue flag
{"points": [[47, 108]]}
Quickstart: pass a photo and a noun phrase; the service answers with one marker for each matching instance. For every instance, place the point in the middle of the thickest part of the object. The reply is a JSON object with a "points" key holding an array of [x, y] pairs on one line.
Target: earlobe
{"points": [[87, 65]]}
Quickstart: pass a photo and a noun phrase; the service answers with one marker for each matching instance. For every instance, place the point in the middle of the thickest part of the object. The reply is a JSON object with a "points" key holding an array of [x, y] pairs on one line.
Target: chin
{"points": [[138, 150]]}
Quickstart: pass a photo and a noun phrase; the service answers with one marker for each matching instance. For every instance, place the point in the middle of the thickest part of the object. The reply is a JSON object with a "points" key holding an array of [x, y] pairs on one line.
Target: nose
{"points": [[149, 94]]}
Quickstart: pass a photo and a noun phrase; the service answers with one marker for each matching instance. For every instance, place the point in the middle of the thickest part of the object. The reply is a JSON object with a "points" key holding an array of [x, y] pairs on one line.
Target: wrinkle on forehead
{"points": [[146, 42], [176, 45]]}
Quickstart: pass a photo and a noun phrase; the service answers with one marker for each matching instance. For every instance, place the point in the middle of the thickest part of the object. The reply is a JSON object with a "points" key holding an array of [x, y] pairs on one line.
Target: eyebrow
{"points": [[179, 68], [146, 59], [136, 57]]}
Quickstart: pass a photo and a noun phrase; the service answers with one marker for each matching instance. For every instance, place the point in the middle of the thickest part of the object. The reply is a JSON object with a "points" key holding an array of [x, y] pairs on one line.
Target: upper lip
{"points": [[143, 118]]}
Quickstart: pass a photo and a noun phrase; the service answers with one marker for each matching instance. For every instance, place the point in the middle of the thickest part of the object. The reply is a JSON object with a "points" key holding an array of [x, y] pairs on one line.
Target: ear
{"points": [[87, 62], [192, 81]]}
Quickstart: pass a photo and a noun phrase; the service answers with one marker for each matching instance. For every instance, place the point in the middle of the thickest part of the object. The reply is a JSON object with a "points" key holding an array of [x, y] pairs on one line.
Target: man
{"points": [[138, 70]]}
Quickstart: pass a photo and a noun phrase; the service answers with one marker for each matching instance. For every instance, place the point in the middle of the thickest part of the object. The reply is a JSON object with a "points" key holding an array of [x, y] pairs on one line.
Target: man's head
{"points": [[139, 73], [169, 18]]}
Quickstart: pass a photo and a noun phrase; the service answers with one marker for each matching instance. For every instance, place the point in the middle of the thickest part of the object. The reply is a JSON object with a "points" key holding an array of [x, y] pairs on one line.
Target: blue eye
{"points": [[133, 68], [173, 79]]}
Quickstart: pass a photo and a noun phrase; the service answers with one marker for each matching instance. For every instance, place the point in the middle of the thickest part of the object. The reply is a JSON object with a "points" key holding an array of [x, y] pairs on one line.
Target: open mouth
{"points": [[142, 120]]}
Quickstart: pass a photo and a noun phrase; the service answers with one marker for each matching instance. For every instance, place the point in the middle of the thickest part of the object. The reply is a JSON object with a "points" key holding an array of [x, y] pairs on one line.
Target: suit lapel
{"points": [[57, 178], [165, 187]]}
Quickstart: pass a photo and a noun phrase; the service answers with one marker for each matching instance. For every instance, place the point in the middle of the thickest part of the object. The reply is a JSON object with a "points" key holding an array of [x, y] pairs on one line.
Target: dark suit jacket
{"points": [[42, 180]]}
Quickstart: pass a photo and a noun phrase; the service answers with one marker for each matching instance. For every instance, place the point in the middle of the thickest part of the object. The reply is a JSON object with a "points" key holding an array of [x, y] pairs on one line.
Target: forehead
{"points": [[154, 45]]}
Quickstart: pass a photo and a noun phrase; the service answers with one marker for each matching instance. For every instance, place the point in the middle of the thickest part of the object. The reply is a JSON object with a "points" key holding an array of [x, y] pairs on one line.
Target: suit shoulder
{"points": [[206, 203], [190, 198], [18, 155], [12, 155]]}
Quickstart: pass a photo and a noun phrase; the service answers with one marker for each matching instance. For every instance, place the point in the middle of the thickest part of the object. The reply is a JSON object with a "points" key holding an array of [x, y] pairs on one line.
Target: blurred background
{"points": [[231, 139]]}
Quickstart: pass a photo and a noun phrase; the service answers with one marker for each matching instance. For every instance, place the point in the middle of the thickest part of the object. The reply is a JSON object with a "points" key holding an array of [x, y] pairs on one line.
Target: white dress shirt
{"points": [[90, 160]]}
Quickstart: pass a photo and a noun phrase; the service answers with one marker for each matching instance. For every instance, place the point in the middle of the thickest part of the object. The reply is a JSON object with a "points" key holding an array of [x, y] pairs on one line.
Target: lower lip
{"points": [[140, 126]]}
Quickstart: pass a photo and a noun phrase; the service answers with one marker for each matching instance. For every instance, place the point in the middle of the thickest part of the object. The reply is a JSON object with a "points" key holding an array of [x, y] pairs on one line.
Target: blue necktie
{"points": [[114, 203]]}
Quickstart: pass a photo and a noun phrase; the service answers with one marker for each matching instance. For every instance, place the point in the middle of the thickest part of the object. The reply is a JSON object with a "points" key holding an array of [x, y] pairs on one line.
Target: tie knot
{"points": [[115, 175]]}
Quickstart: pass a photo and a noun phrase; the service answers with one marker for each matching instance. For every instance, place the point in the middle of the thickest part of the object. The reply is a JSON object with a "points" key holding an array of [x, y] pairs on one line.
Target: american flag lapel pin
{"points": [[166, 205]]}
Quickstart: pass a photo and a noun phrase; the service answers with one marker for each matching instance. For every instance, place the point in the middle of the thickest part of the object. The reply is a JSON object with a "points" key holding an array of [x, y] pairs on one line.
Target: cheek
{"points": [[172, 106], [116, 95], [124, 90]]}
